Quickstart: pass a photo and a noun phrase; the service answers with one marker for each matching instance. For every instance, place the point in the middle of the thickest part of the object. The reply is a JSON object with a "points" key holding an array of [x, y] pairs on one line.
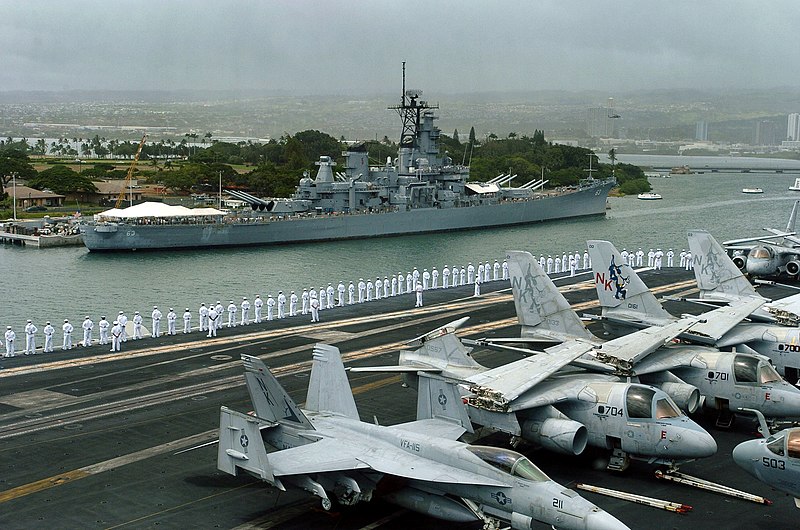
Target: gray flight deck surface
{"points": [[87, 438]]}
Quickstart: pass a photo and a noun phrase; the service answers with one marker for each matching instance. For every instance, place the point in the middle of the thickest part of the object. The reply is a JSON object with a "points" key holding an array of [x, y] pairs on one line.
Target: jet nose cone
{"points": [[601, 520], [744, 454], [701, 444]]}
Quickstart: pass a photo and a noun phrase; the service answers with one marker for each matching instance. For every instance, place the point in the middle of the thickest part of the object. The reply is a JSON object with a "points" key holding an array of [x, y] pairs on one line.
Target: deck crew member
{"points": [[258, 303], [67, 329], [104, 326], [418, 290], [340, 292], [505, 269], [212, 321], [557, 265], [304, 297], [683, 257], [670, 258], [314, 303], [232, 314], [30, 338], [658, 259], [123, 321], [187, 321], [10, 338], [586, 259], [292, 304], [156, 317], [369, 290], [220, 311], [409, 283], [454, 275], [462, 276], [329, 291], [378, 288], [435, 278], [496, 270], [386, 287], [480, 270], [323, 303], [137, 325], [351, 293], [362, 287], [281, 304], [116, 336], [639, 257], [445, 277], [401, 282], [477, 291], [245, 311], [542, 262], [48, 331], [572, 265], [577, 260], [172, 318], [87, 326], [426, 279], [415, 277], [549, 264], [651, 256], [203, 312], [270, 307], [624, 255], [688, 263], [470, 272]]}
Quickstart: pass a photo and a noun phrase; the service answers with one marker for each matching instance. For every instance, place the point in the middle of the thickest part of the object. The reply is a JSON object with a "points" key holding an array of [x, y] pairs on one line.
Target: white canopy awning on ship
{"points": [[480, 189], [158, 210]]}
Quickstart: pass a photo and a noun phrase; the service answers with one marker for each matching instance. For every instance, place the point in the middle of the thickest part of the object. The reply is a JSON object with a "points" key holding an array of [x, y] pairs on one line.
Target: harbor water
{"points": [[71, 282]]}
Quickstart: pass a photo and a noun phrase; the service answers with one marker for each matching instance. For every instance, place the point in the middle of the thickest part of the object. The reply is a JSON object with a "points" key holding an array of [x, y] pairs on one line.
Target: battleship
{"points": [[419, 191]]}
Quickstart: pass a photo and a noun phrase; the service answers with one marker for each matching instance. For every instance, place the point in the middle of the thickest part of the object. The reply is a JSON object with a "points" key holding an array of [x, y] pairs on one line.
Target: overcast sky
{"points": [[344, 46]]}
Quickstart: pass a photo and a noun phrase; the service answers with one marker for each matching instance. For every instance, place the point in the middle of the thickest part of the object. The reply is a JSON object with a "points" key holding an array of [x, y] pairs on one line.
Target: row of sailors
{"points": [[311, 302]]}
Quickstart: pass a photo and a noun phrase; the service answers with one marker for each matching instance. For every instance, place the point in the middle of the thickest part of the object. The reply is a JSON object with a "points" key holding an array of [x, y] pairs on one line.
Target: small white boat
{"points": [[649, 196], [796, 186], [752, 190]]}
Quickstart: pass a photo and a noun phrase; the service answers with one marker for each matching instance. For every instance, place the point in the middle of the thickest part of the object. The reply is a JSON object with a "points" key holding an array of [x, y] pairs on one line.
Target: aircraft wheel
{"points": [[327, 505]]}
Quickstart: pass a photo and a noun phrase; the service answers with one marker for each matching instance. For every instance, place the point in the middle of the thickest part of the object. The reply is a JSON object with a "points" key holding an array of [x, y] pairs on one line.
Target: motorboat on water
{"points": [[796, 186], [649, 196], [752, 191]]}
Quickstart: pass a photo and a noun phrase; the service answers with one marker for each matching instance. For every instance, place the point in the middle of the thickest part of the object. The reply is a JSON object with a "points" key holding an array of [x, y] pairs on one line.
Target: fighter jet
{"points": [[328, 451], [537, 400], [628, 302], [769, 256], [774, 460], [725, 380]]}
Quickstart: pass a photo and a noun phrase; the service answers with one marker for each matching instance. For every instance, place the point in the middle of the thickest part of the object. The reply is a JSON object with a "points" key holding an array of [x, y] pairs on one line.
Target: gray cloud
{"points": [[351, 46]]}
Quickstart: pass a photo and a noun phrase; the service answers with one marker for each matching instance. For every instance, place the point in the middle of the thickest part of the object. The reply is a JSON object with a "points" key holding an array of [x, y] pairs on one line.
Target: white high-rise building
{"points": [[793, 130]]}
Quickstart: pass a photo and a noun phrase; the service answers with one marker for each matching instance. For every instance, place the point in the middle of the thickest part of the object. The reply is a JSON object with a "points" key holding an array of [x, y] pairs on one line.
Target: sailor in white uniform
{"points": [[137, 326], [48, 331], [426, 279], [362, 288], [505, 269], [292, 304], [314, 309], [187, 321], [329, 292], [258, 305], [445, 277], [323, 303], [232, 314], [87, 326], [496, 270], [203, 312], [378, 288], [245, 305], [30, 338], [156, 317], [670, 258], [281, 304], [67, 329], [122, 318], [304, 297], [172, 319], [213, 318], [549, 264], [270, 306], [470, 272], [104, 326], [11, 337], [418, 290], [116, 337], [351, 292], [340, 291]]}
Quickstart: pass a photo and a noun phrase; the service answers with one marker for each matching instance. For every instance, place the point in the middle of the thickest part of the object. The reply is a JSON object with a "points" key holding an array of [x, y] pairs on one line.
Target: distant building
{"points": [[599, 124], [766, 133], [793, 128], [701, 131], [27, 197]]}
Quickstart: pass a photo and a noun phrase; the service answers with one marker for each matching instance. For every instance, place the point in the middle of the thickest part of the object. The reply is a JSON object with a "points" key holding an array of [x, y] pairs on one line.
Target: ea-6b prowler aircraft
{"points": [[727, 380], [328, 451], [774, 460], [769, 256], [536, 399], [678, 369]]}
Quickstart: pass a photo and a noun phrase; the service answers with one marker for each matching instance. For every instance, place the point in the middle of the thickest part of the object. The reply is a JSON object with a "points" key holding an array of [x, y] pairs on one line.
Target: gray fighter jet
{"points": [[328, 451], [721, 282], [727, 380], [536, 399], [774, 460], [768, 256]]}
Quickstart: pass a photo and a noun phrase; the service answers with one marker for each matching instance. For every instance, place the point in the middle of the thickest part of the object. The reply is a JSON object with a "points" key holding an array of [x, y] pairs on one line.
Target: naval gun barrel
{"points": [[497, 178]]}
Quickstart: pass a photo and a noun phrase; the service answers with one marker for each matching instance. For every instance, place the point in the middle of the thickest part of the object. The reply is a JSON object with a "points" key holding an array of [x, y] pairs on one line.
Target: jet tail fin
{"points": [[716, 274], [619, 288], [270, 400], [541, 308], [329, 389], [792, 218], [438, 398], [241, 446], [447, 348]]}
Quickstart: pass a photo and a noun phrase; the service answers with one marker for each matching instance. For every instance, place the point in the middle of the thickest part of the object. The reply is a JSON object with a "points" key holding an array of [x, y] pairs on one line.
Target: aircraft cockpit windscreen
{"points": [[639, 401], [793, 444], [775, 444], [767, 374], [508, 461], [760, 253], [745, 369], [666, 409]]}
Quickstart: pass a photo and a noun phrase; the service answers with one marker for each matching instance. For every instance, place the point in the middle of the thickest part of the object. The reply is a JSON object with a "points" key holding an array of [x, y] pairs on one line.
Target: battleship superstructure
{"points": [[421, 190]]}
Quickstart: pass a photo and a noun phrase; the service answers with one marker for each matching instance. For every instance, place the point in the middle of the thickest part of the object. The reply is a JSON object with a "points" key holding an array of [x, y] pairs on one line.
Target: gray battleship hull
{"points": [[116, 237]]}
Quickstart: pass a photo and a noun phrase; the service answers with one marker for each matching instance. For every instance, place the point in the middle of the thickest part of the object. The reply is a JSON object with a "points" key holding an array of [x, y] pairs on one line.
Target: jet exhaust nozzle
{"points": [[686, 396], [556, 434]]}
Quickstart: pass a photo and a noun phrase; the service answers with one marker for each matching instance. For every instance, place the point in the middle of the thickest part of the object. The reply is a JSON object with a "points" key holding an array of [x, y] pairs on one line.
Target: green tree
{"points": [[14, 161], [62, 179]]}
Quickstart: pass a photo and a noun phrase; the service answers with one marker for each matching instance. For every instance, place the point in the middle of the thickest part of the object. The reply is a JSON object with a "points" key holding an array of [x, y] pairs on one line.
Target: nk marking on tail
{"points": [[615, 281]]}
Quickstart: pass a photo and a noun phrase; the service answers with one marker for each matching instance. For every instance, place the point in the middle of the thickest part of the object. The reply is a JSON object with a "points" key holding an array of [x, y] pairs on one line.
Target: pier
{"points": [[47, 241]]}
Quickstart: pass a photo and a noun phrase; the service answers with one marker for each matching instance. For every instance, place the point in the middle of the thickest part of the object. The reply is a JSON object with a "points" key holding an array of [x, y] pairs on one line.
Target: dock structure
{"points": [[48, 241]]}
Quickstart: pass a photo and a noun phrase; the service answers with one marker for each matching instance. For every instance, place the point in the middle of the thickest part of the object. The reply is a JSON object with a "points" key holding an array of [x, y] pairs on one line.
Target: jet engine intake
{"points": [[686, 396], [556, 434], [793, 267], [740, 261]]}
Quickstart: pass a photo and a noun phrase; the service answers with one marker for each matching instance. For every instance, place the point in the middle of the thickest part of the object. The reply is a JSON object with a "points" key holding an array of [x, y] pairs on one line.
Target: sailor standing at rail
{"points": [[232, 314], [314, 303], [415, 277], [292, 304], [455, 274], [378, 288], [639, 257], [586, 259], [689, 264], [172, 318], [187, 321], [426, 279], [462, 276], [624, 255], [683, 258], [116, 336], [156, 317], [30, 338], [340, 291], [477, 283], [87, 326], [435, 278], [651, 256], [542, 262], [418, 290], [670, 258], [470, 272], [10, 337], [409, 283], [362, 287], [351, 293], [369, 291], [505, 269], [557, 265], [48, 337], [67, 329], [496, 270], [270, 306], [304, 297], [245, 311], [220, 311], [258, 303], [549, 264], [137, 325], [480, 270], [281, 304], [212, 321], [104, 326], [572, 265], [658, 259], [203, 312], [329, 291], [323, 303], [123, 321], [445, 277], [386, 287]]}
